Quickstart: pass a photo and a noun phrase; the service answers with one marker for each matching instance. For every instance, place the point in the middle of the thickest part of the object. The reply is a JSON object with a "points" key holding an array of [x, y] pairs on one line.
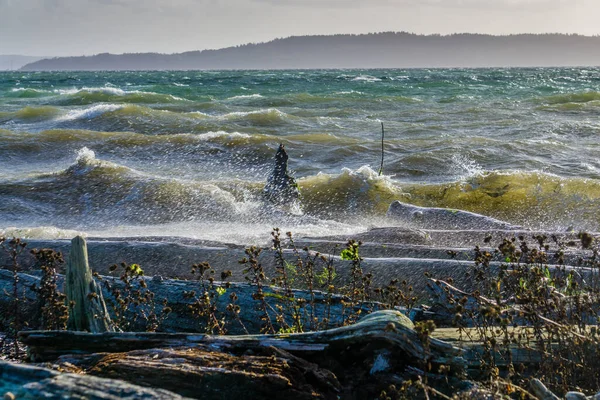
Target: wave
{"points": [[220, 135], [85, 96], [117, 117], [532, 199], [582, 97], [246, 97], [91, 112], [353, 194], [592, 106], [33, 114], [61, 137], [233, 146], [94, 193], [354, 92], [26, 93], [267, 117], [366, 78]]}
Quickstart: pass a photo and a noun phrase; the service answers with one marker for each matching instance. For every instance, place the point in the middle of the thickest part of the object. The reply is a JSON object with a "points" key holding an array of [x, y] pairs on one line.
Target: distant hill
{"points": [[379, 50], [13, 62]]}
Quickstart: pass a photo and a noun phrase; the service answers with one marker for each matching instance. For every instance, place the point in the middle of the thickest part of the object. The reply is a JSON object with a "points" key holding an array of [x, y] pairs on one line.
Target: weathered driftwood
{"points": [[389, 329], [356, 361], [473, 350], [541, 391], [443, 218], [201, 372], [182, 320], [384, 342], [84, 296], [20, 381], [445, 299]]}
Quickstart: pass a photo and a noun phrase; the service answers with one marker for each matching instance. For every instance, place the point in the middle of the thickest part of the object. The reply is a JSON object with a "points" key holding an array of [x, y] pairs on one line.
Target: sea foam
{"points": [[90, 112]]}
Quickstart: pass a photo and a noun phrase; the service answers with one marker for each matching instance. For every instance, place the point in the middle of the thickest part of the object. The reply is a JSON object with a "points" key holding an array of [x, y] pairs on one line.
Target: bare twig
{"points": [[382, 137]]}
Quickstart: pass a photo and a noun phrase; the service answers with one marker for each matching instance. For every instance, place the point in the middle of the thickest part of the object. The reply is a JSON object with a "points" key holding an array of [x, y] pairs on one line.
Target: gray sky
{"points": [[76, 27]]}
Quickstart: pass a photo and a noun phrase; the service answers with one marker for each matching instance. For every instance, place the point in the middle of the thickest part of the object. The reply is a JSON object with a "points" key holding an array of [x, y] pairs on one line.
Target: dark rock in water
{"points": [[281, 188], [443, 218]]}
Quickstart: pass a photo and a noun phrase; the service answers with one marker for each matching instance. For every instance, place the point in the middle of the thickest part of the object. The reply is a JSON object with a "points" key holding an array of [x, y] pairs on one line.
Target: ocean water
{"points": [[188, 153]]}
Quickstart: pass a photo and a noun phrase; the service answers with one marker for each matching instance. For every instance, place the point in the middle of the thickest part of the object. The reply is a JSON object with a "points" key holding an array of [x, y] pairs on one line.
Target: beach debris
{"points": [[88, 311], [375, 327], [575, 396], [359, 358], [541, 391], [382, 149], [281, 188], [204, 373], [443, 218], [19, 381], [322, 304]]}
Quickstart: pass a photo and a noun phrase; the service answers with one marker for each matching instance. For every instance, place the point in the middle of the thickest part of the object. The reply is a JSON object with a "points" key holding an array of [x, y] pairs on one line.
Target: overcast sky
{"points": [[77, 27]]}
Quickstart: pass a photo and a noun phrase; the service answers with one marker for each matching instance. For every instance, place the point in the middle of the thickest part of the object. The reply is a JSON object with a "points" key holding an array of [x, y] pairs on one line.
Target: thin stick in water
{"points": [[382, 136]]}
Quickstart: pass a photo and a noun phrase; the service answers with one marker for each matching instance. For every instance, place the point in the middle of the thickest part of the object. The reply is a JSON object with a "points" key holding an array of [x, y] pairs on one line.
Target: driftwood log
{"points": [[202, 372], [181, 319], [379, 348], [445, 299], [391, 329], [18, 381], [348, 362]]}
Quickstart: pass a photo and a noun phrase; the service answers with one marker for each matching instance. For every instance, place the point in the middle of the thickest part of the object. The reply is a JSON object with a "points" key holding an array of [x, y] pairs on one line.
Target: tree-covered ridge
{"points": [[374, 50]]}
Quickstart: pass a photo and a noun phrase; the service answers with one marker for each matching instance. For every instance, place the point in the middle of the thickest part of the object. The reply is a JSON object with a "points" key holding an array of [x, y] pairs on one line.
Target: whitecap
{"points": [[366, 78], [246, 96], [22, 89], [464, 168], [350, 92], [90, 112], [106, 90], [222, 134], [114, 91], [242, 114], [85, 155]]}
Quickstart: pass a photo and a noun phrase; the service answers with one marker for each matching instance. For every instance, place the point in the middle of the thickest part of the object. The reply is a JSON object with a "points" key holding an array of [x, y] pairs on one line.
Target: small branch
{"points": [[382, 137]]}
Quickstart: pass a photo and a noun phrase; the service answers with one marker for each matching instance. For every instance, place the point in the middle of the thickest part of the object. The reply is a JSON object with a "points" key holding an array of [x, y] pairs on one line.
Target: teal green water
{"points": [[119, 153]]}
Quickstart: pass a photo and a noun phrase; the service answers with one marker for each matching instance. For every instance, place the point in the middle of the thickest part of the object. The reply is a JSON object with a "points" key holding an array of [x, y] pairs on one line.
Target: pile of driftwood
{"points": [[90, 360]]}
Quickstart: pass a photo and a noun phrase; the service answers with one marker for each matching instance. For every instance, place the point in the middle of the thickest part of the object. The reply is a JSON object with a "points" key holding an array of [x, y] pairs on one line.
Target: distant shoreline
{"points": [[370, 51], [532, 67], [14, 62]]}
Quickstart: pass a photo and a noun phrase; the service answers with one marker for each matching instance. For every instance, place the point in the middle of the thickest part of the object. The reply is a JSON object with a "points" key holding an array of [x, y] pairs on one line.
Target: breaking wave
{"points": [[92, 95]]}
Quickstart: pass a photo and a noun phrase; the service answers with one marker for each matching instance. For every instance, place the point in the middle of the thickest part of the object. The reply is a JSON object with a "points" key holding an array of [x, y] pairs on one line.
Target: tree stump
{"points": [[84, 296]]}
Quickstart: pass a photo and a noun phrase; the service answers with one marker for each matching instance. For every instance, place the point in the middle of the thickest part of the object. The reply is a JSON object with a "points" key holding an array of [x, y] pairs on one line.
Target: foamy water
{"points": [[188, 153]]}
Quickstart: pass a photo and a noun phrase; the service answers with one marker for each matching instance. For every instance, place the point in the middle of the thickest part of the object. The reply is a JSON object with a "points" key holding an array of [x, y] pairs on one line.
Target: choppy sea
{"points": [[188, 153]]}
